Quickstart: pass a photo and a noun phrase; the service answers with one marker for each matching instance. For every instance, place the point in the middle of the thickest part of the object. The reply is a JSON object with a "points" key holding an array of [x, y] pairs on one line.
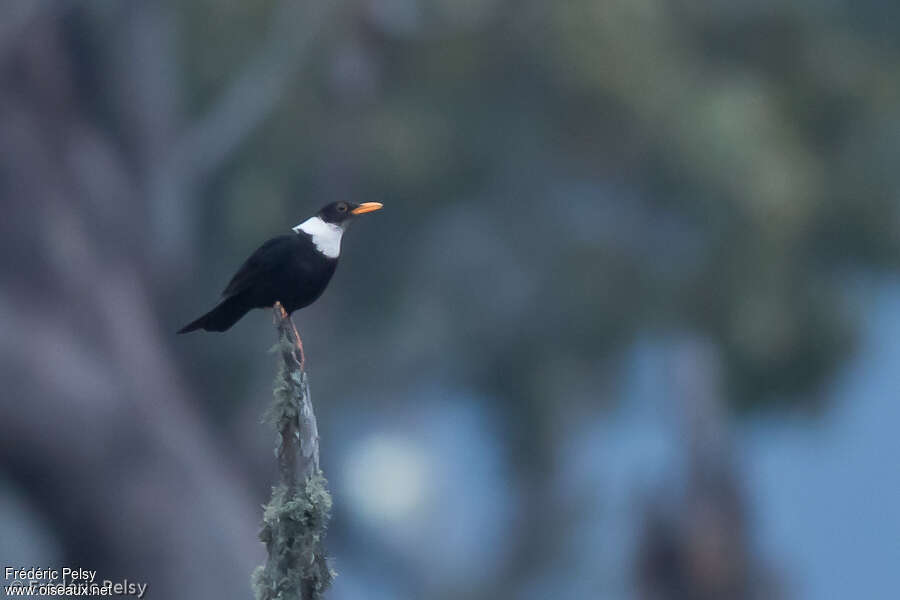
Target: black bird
{"points": [[293, 269]]}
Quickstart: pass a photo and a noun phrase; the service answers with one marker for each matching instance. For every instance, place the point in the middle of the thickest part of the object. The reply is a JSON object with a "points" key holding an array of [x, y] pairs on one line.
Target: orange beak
{"points": [[367, 207]]}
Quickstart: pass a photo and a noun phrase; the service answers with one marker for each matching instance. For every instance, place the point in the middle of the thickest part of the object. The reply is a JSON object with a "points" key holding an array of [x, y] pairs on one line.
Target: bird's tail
{"points": [[223, 316]]}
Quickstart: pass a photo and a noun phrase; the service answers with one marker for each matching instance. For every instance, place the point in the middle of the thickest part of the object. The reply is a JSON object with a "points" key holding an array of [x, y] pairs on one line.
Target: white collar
{"points": [[326, 237]]}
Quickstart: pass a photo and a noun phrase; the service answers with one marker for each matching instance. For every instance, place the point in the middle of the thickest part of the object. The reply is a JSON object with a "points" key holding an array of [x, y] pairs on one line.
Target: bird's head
{"points": [[326, 228], [341, 213]]}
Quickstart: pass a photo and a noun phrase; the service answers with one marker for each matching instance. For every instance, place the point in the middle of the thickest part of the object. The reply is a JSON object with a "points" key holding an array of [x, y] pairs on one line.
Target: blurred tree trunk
{"points": [[151, 497], [697, 546], [94, 157]]}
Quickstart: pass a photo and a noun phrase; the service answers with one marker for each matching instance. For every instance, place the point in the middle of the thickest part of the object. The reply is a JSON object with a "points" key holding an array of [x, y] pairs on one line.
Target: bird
{"points": [[293, 269]]}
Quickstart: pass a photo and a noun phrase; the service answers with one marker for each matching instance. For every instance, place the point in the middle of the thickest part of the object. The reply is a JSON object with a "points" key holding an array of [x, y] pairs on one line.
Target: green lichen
{"points": [[294, 525], [296, 518], [289, 387]]}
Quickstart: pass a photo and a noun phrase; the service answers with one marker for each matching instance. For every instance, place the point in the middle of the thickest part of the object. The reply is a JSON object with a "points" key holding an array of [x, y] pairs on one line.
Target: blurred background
{"points": [[626, 328]]}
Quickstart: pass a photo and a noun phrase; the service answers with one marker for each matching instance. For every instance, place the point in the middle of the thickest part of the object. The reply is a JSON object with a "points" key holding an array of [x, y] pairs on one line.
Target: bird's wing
{"points": [[267, 259]]}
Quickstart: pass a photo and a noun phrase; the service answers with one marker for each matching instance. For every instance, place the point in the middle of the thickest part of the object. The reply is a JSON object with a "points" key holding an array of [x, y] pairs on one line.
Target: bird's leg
{"points": [[299, 343], [284, 321]]}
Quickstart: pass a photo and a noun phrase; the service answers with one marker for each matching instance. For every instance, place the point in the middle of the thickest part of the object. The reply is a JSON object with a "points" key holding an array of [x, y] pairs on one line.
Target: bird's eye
{"points": [[342, 207]]}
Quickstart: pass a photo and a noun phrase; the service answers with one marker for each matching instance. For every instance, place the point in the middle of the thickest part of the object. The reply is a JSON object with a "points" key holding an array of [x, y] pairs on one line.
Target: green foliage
{"points": [[714, 171]]}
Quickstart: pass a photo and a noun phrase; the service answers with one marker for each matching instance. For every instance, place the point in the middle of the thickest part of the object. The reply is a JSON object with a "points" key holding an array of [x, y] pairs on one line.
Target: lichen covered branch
{"points": [[296, 517]]}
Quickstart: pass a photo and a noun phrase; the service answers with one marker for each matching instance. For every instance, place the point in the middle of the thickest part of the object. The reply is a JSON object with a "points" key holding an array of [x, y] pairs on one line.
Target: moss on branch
{"points": [[296, 518]]}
